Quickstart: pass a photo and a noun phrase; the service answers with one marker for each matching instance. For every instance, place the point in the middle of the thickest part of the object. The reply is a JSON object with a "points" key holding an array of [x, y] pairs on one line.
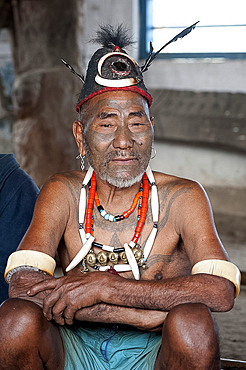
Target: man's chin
{"points": [[121, 181]]}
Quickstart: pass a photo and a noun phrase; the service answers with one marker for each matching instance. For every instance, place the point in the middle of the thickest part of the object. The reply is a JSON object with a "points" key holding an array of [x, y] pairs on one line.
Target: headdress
{"points": [[112, 69]]}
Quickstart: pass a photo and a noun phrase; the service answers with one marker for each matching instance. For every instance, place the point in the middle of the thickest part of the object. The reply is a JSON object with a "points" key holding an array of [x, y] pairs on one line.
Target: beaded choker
{"points": [[125, 214], [131, 255]]}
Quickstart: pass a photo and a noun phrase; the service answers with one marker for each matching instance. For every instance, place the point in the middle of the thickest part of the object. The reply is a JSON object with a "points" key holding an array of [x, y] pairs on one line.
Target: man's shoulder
{"points": [[60, 184], [166, 180], [188, 191], [71, 177]]}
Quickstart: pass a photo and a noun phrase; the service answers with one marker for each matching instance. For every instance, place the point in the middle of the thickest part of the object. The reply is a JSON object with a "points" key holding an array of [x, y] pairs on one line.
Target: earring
{"points": [[153, 153], [82, 163]]}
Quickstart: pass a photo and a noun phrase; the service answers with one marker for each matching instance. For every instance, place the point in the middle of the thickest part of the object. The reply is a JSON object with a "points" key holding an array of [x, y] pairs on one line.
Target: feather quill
{"points": [[152, 55], [81, 77]]}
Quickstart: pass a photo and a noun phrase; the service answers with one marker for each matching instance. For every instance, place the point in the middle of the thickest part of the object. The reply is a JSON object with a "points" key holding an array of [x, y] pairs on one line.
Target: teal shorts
{"points": [[109, 347]]}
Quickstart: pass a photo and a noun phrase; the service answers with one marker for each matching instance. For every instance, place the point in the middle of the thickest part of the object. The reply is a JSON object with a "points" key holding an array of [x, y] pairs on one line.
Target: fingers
{"points": [[63, 297], [69, 314], [55, 306], [43, 285], [58, 307], [57, 312], [49, 303]]}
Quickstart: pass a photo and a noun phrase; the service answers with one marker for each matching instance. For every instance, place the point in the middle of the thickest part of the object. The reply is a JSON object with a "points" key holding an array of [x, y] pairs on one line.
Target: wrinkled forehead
{"points": [[123, 101]]}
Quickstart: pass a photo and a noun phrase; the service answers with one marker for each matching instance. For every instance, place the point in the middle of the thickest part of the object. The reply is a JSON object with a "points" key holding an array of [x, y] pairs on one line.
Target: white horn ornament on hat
{"points": [[123, 82]]}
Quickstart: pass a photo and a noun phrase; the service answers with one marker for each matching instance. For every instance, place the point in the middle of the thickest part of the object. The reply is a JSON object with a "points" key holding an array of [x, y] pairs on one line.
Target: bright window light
{"points": [[222, 26]]}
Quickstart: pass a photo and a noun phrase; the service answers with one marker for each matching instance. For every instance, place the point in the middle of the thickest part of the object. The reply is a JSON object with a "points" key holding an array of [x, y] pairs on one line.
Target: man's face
{"points": [[118, 136]]}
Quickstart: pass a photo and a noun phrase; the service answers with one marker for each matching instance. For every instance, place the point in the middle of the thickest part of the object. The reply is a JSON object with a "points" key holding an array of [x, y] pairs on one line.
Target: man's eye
{"points": [[106, 125], [137, 125]]}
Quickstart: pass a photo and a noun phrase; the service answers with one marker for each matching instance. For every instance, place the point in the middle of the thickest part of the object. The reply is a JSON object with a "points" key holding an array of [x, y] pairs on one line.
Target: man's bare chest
{"points": [[167, 257]]}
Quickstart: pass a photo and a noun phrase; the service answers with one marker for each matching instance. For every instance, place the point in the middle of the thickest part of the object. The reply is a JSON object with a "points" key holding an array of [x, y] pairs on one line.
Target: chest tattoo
{"points": [[115, 241], [165, 218]]}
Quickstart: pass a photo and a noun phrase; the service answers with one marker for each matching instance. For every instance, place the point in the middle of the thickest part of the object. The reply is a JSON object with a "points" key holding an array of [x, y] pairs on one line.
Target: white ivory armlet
{"points": [[220, 268], [29, 258]]}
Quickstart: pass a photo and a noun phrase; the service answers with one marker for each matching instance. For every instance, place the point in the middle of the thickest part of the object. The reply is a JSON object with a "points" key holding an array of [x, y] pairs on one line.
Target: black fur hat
{"points": [[111, 68]]}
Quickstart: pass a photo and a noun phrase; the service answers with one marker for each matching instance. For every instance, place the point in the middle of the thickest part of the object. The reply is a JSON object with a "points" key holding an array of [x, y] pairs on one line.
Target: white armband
{"points": [[220, 268], [29, 260]]}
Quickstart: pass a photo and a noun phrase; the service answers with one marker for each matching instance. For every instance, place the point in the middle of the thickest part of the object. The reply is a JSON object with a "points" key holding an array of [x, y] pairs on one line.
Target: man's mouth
{"points": [[124, 160]]}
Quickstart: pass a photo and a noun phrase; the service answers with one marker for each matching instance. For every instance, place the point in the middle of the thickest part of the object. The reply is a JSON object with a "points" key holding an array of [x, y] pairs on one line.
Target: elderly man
{"points": [[143, 264]]}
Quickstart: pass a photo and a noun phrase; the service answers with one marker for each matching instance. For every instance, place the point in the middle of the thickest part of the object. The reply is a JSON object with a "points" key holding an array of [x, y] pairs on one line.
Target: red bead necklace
{"points": [[141, 197], [90, 204]]}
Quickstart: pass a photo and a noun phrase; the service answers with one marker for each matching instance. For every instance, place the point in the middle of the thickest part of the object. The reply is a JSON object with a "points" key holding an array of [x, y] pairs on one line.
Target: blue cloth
{"points": [[18, 193], [109, 348]]}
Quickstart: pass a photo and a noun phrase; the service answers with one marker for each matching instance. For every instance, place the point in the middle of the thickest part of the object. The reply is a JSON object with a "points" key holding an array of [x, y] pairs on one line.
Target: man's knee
{"points": [[18, 318], [27, 339], [191, 326], [189, 339]]}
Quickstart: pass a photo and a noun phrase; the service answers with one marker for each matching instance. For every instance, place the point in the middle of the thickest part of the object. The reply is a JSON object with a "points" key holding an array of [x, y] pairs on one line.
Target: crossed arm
{"points": [[102, 297], [62, 300]]}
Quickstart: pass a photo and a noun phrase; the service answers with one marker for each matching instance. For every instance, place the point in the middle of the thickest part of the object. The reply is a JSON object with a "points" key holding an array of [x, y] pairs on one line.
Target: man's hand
{"points": [[70, 293], [22, 281]]}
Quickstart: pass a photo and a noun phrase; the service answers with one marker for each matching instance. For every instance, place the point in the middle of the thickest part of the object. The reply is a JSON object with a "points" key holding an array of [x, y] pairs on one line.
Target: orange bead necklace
{"points": [[125, 214], [141, 198]]}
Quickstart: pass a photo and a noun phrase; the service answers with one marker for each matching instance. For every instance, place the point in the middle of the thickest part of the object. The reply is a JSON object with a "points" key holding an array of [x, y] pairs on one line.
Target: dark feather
{"points": [[108, 36], [152, 56], [81, 77]]}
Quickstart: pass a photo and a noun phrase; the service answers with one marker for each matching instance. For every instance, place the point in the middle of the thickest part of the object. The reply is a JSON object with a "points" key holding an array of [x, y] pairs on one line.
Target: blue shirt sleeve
{"points": [[17, 200]]}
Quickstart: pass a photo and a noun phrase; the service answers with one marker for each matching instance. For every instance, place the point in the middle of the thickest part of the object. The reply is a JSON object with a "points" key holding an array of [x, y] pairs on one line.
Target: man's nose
{"points": [[123, 138]]}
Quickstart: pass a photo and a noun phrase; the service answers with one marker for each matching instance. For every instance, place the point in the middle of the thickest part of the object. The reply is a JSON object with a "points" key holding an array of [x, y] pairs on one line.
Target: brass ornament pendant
{"points": [[138, 253], [113, 257], [123, 257], [91, 259], [102, 258]]}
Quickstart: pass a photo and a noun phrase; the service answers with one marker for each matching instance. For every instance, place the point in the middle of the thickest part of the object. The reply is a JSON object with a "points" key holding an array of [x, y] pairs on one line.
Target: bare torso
{"points": [[168, 257], [186, 235]]}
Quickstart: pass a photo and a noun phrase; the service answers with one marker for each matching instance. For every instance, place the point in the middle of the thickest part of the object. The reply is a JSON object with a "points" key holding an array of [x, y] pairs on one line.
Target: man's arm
{"points": [[142, 319], [44, 234], [80, 295], [49, 222], [215, 292], [190, 214], [50, 217]]}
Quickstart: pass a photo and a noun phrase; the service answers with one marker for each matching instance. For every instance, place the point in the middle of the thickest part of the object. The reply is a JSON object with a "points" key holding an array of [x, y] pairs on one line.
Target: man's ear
{"points": [[78, 129]]}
